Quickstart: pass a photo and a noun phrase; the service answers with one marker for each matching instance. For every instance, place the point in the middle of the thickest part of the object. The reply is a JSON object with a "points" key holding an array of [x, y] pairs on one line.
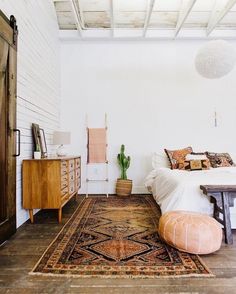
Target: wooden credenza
{"points": [[50, 183]]}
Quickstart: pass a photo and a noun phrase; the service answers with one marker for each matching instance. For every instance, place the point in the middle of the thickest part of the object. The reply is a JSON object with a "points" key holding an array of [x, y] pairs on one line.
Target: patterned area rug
{"points": [[116, 237]]}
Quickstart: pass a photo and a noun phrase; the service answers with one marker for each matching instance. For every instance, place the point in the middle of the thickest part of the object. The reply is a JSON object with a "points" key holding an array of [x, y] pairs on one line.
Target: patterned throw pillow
{"points": [[177, 156], [220, 159], [191, 165]]}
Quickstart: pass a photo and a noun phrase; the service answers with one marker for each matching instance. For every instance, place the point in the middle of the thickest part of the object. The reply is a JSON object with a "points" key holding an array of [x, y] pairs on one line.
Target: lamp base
{"points": [[61, 151]]}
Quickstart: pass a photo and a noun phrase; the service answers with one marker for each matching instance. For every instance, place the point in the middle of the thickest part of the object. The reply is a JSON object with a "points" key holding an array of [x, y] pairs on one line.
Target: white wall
{"points": [[38, 76], [153, 97]]}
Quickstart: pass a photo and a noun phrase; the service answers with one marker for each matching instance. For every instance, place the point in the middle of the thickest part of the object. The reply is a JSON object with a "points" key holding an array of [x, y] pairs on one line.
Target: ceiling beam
{"points": [[112, 17], [80, 11], [213, 11], [148, 17], [76, 16], [219, 16], [183, 14]]}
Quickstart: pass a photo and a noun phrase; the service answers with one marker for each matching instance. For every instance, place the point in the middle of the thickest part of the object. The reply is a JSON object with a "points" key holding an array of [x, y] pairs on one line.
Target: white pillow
{"points": [[160, 160], [195, 157]]}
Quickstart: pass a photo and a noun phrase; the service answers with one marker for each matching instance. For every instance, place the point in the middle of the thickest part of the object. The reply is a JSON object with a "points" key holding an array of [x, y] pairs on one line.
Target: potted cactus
{"points": [[123, 185]]}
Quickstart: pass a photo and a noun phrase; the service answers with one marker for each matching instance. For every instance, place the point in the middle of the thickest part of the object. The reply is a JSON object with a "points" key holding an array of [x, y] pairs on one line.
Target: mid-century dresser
{"points": [[50, 183]]}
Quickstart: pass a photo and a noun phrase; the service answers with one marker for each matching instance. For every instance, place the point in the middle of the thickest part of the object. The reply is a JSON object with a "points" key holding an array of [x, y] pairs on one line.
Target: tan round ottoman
{"points": [[190, 232]]}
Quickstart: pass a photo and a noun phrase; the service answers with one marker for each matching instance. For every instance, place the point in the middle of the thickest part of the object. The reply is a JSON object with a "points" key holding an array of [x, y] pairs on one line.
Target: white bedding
{"points": [[179, 190]]}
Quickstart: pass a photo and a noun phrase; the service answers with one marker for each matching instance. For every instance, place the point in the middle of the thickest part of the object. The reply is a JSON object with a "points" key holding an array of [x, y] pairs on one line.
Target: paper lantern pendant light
{"points": [[215, 59]]}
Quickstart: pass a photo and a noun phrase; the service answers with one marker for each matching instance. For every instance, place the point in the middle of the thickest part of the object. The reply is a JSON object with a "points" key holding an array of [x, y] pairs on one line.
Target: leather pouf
{"points": [[190, 232]]}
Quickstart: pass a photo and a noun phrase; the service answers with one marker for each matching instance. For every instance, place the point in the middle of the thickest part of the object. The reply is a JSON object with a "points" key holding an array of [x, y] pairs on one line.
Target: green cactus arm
{"points": [[127, 162], [119, 160], [129, 159]]}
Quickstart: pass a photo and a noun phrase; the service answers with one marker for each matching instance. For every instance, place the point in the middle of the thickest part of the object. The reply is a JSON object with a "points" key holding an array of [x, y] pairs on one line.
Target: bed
{"points": [[179, 189]]}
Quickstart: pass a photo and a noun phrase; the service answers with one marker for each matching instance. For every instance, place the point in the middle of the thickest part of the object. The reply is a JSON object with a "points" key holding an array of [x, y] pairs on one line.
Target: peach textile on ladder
{"points": [[97, 144]]}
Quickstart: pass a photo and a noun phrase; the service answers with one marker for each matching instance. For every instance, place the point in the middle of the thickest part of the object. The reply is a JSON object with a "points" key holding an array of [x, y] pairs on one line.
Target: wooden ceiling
{"points": [[146, 15]]}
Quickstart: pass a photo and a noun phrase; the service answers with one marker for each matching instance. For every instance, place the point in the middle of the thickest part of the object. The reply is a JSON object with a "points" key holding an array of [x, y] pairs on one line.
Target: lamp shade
{"points": [[215, 59], [61, 138]]}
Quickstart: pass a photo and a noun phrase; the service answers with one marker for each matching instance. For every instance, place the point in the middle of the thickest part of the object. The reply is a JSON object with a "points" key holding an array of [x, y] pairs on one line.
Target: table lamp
{"points": [[61, 139]]}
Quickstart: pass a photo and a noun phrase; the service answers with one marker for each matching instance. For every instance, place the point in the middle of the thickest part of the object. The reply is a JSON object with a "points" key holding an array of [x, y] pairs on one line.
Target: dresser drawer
{"points": [[77, 184], [64, 192], [71, 165], [64, 167], [77, 173], [77, 163], [64, 163], [64, 184], [64, 177], [72, 188], [71, 176]]}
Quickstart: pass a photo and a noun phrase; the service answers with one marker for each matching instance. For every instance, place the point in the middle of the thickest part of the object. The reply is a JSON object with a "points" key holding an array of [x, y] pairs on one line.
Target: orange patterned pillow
{"points": [[177, 157]]}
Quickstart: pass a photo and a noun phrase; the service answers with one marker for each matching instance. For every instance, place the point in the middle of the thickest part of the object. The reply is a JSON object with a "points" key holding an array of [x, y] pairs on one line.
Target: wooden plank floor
{"points": [[22, 251]]}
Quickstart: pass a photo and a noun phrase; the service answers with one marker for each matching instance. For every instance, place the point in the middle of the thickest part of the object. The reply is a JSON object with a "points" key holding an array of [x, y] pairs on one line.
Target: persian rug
{"points": [[116, 237]]}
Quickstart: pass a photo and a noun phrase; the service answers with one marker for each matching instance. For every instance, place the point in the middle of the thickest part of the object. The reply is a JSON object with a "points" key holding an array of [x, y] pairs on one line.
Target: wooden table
{"points": [[223, 198]]}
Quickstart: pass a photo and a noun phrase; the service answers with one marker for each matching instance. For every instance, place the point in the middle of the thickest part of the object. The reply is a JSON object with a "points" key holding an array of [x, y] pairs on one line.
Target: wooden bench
{"points": [[223, 198]]}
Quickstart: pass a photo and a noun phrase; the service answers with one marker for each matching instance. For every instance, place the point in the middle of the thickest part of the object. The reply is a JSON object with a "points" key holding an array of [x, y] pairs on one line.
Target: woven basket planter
{"points": [[123, 187]]}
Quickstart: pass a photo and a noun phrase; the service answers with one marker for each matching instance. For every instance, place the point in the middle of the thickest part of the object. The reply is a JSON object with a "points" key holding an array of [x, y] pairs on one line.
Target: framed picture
{"points": [[36, 136], [39, 139], [44, 150]]}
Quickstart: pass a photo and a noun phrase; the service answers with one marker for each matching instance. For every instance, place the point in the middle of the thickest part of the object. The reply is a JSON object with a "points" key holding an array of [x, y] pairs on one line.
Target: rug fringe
{"points": [[122, 276]]}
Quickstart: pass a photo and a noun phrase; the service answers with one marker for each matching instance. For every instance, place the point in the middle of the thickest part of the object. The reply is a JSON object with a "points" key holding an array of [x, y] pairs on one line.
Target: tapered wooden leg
{"points": [[31, 214], [226, 218], [59, 215]]}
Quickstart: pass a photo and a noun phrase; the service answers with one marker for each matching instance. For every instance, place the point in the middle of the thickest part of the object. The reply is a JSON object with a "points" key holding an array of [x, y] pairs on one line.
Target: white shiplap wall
{"points": [[38, 90]]}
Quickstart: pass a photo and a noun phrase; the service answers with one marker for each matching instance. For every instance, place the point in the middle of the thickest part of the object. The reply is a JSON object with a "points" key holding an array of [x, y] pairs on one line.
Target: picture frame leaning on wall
{"points": [[39, 139]]}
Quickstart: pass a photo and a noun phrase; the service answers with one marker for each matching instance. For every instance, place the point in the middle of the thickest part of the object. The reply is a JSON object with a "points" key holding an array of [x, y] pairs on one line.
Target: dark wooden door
{"points": [[8, 54]]}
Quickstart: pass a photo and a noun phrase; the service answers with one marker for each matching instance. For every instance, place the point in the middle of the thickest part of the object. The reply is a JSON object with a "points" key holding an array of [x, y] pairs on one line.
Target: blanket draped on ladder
{"points": [[97, 144]]}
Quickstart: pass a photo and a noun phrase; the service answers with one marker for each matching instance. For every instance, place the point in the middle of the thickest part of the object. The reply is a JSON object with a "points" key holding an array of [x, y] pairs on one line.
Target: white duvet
{"points": [[180, 190]]}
